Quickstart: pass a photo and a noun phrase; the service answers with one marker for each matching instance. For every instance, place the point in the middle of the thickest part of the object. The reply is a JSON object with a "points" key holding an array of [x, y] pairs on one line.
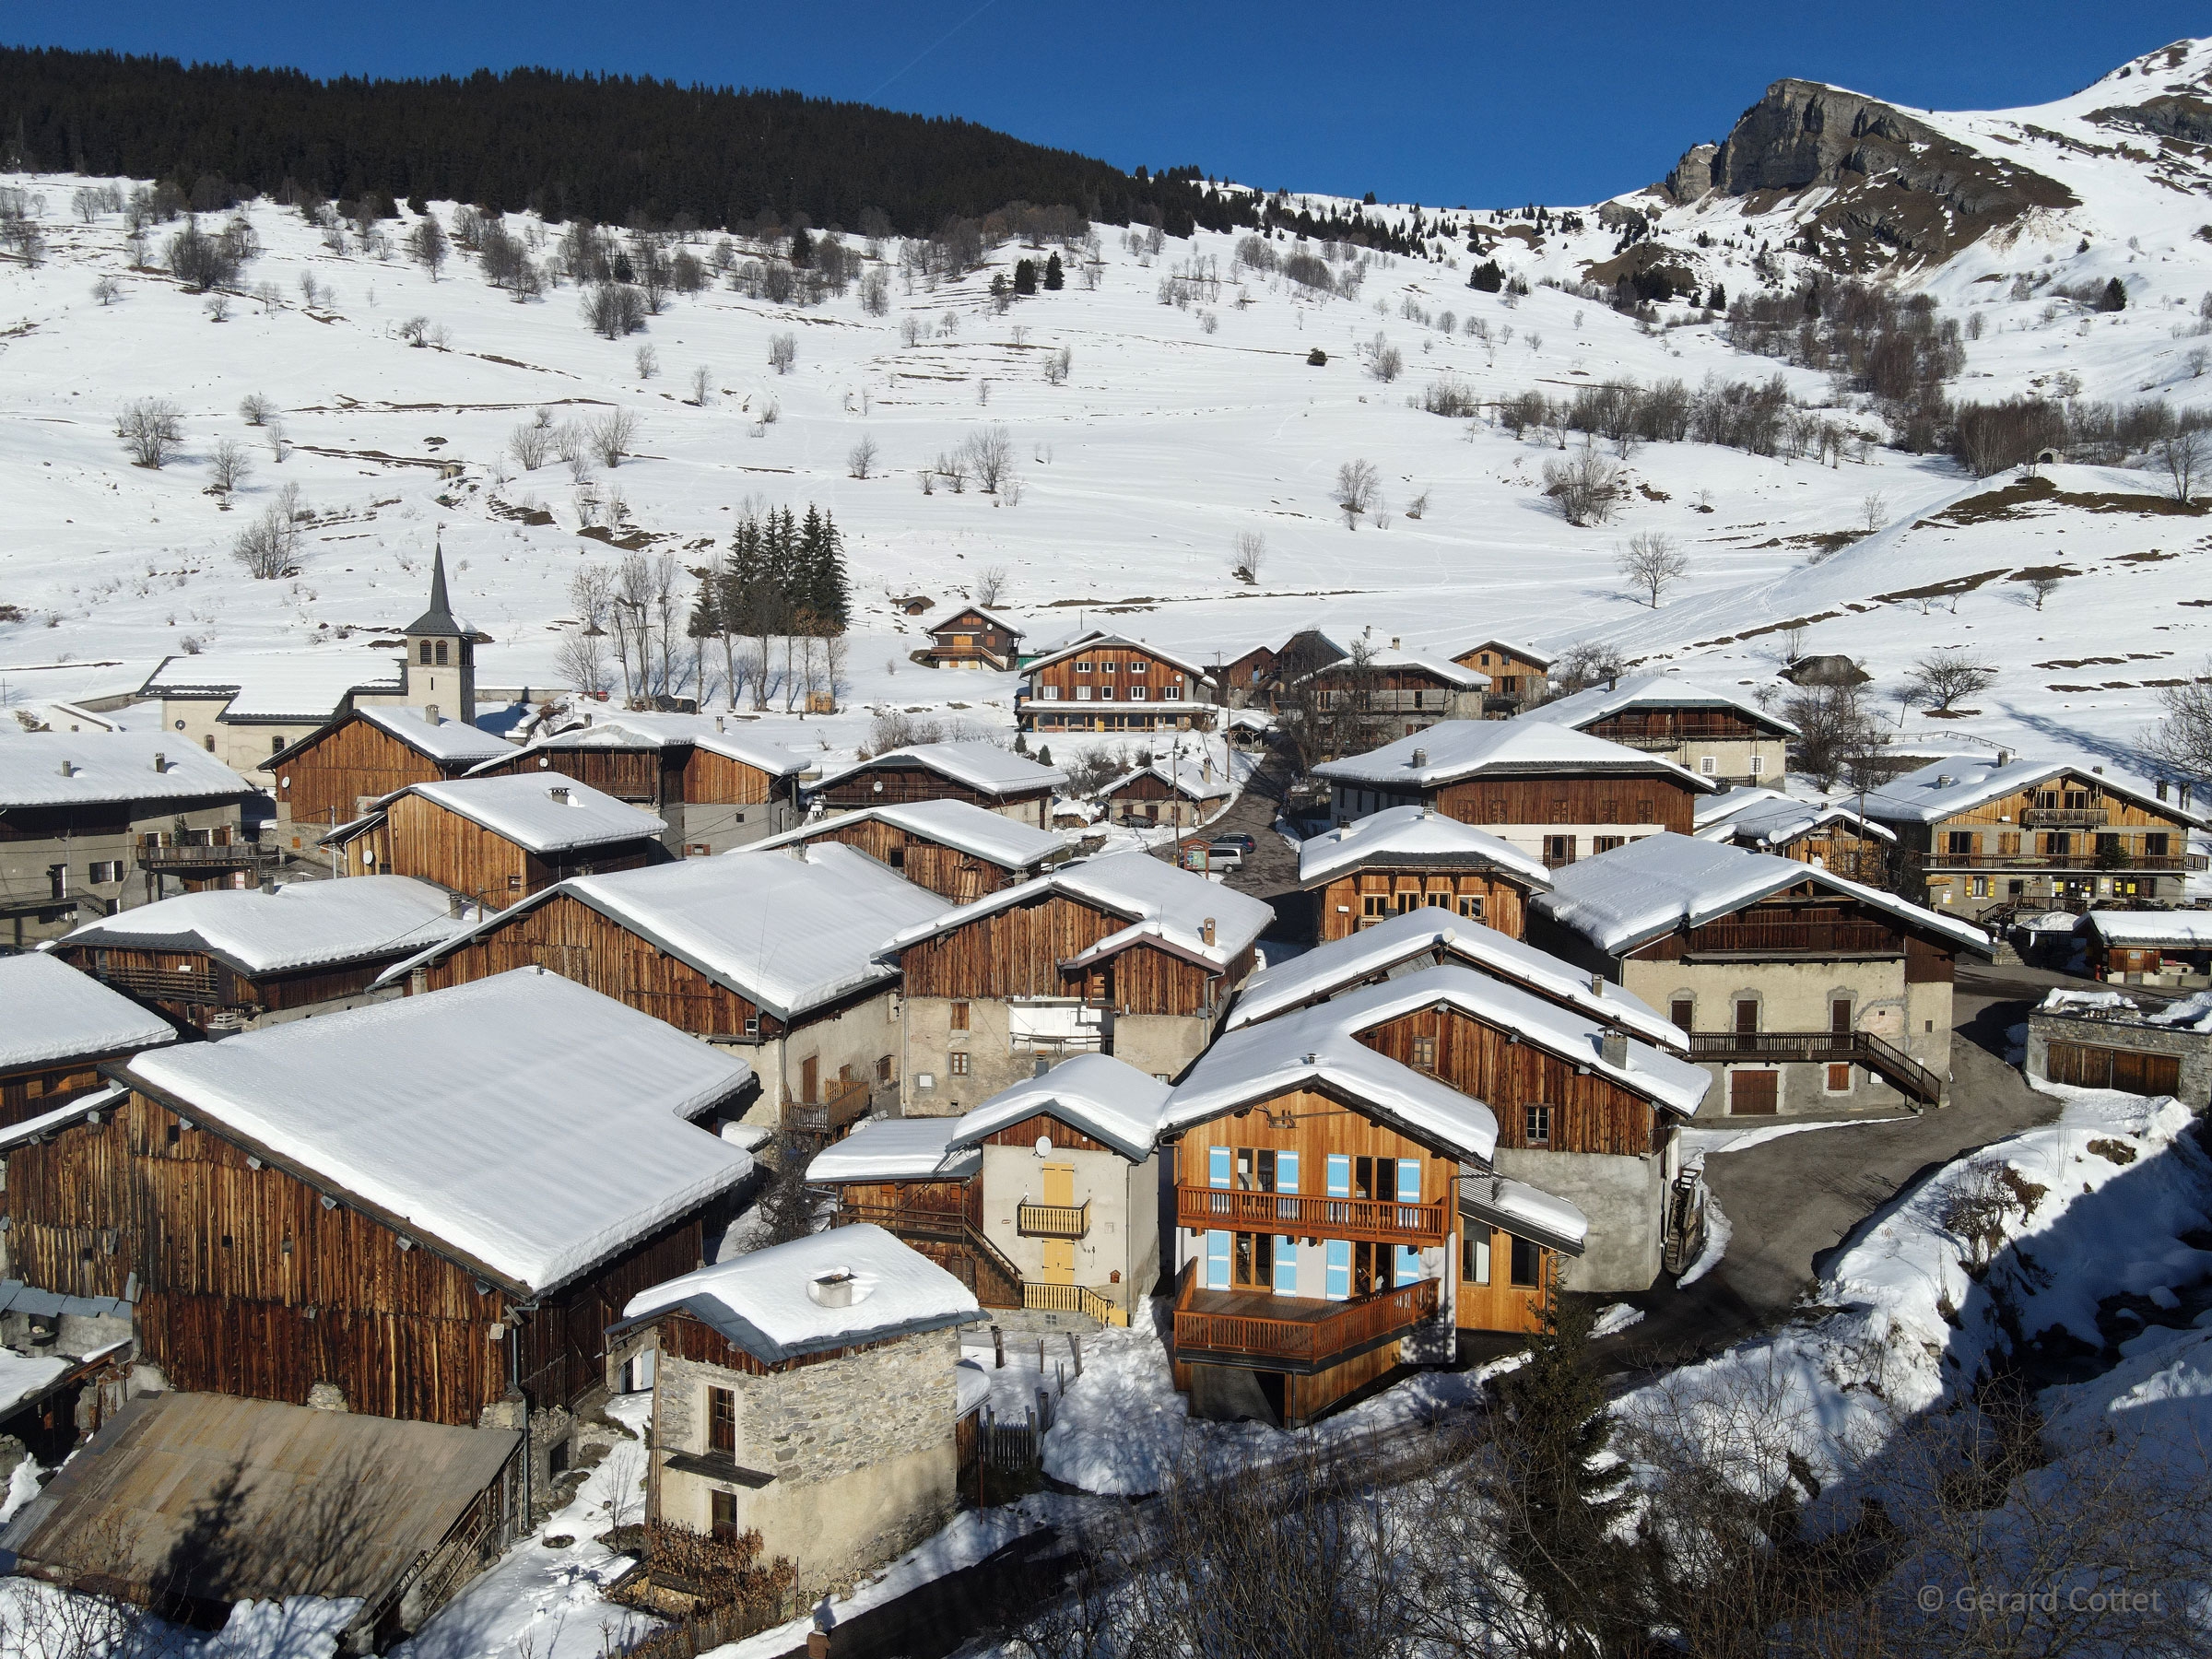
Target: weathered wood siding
{"points": [[33, 1090], [643, 776], [1567, 798], [903, 784], [1016, 952], [325, 781], [1347, 902], [945, 871], [433, 844], [188, 985]]}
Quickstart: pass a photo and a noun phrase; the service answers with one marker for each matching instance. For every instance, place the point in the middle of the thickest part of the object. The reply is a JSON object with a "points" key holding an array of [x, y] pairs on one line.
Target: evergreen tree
{"points": [[1044, 754], [1025, 277], [819, 578], [802, 248], [1055, 278]]}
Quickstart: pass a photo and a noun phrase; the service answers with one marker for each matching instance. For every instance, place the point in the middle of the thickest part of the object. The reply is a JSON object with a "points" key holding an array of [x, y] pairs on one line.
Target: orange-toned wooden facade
{"points": [[971, 638], [944, 870], [1571, 798], [331, 776], [1516, 678], [1017, 952], [421, 838], [651, 775], [891, 783], [1363, 898], [1115, 686], [28, 1090], [248, 1285]]}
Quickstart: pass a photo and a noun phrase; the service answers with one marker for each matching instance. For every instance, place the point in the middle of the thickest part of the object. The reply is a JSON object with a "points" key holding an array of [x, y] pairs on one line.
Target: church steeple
{"points": [[440, 663]]}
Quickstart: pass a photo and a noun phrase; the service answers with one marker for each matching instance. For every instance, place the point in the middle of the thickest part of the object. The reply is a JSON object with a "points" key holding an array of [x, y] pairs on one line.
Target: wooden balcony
{"points": [[1903, 1073], [1037, 1297], [2124, 863], [194, 988], [1794, 938], [837, 1111], [1222, 1209], [2066, 817], [1291, 1333], [193, 858], [1053, 1220]]}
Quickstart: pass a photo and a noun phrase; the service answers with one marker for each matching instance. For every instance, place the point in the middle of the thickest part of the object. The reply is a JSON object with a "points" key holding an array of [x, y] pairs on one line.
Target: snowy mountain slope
{"points": [[1177, 429]]}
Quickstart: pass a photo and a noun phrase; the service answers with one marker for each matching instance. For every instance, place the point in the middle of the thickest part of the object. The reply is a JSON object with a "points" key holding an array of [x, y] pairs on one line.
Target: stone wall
{"points": [[2193, 1049], [1624, 1198]]}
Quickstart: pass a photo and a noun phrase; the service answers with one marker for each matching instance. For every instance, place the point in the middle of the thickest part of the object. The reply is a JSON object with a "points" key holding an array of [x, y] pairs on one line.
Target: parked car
{"points": [[1243, 842], [1228, 852]]}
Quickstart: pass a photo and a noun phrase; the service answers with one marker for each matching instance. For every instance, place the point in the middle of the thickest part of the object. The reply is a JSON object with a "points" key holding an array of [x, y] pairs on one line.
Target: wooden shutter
{"points": [[1753, 1093], [1747, 1017]]}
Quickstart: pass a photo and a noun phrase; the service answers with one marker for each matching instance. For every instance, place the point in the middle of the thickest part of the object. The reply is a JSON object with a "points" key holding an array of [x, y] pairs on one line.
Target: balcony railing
{"points": [[1037, 1297], [172, 856], [2066, 817], [1794, 938], [2126, 862], [194, 986], [1053, 1220], [846, 1105], [1903, 1073], [1225, 1209], [1269, 1341]]}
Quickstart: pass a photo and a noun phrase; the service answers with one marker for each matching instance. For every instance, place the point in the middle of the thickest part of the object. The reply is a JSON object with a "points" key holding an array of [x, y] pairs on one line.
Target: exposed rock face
{"points": [[2173, 116], [1900, 188]]}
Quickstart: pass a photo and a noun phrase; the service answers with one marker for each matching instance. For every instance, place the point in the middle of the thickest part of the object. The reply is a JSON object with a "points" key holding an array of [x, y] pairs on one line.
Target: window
{"points": [[1839, 1016], [2008, 843], [1528, 1262], [1747, 1016], [104, 872], [1556, 813], [1485, 659], [1138, 667], [956, 1062], [1171, 693], [1608, 812], [58, 877], [1643, 809], [1977, 886], [2156, 843], [721, 1421], [1475, 1258], [1408, 898], [1606, 843], [1839, 1077], [1680, 1010], [277, 745], [1708, 765], [1082, 693], [1558, 848], [883, 1069], [442, 654], [1758, 765], [426, 653], [1048, 693], [1424, 1053], [1539, 1119], [1960, 844], [2058, 845], [1374, 904], [1253, 1259], [1470, 906], [2108, 846], [726, 1515], [1083, 668], [959, 1016], [1136, 693]]}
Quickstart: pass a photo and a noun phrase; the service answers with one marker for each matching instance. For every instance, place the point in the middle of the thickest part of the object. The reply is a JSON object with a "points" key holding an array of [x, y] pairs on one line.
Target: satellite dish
{"points": [[1044, 1145]]}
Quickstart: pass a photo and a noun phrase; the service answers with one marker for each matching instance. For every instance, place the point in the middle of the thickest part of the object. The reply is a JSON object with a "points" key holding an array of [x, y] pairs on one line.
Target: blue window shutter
{"points": [[1336, 1263], [1286, 1266], [1216, 1261], [1408, 1265], [1409, 1181], [1340, 1175], [1217, 1166], [1286, 1172]]}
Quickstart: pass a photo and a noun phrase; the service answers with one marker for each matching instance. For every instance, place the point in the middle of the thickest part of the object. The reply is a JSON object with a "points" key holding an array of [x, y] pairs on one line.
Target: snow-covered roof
{"points": [[1407, 942], [1442, 667], [84, 769], [1095, 638], [1192, 779], [1453, 749], [1661, 1077], [894, 1149], [276, 685], [1527, 653], [1586, 707], [1524, 1212], [1108, 1100], [1412, 835], [788, 931], [944, 620], [981, 766], [1312, 1049], [524, 1122], [960, 825], [1164, 906], [766, 1301], [301, 924], [717, 733], [451, 741], [1752, 816], [2190, 930], [1632, 895], [54, 1013], [541, 815], [1961, 783]]}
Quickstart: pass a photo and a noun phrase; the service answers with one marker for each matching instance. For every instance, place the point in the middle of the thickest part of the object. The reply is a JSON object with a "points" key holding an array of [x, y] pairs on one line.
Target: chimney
{"points": [[1613, 1049], [2182, 793], [1945, 780], [2004, 757], [1394, 642], [456, 906], [430, 712], [1613, 683], [70, 772], [1420, 756], [1205, 930], [2161, 789], [832, 1289], [559, 795], [268, 884], [1597, 984], [718, 726], [160, 761], [2098, 769]]}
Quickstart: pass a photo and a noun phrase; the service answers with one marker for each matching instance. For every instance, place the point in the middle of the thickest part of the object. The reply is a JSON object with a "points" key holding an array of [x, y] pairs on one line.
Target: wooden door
{"points": [[1753, 1093], [810, 1079], [1747, 1018], [1059, 1261]]}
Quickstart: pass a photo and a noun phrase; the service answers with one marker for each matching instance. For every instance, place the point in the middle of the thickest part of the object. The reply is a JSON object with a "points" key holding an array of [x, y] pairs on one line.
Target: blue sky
{"points": [[1485, 104]]}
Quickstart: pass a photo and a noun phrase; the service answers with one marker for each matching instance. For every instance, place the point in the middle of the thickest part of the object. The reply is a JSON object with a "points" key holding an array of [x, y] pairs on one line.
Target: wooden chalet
{"points": [[1551, 790], [981, 774], [405, 1212], [1174, 791], [1257, 677], [1409, 858], [715, 785], [1126, 955], [100, 822], [1800, 991], [494, 840], [1520, 676], [1703, 729], [341, 770], [773, 956], [972, 636], [61, 1028], [1320, 1237], [1834, 838], [957, 850], [1110, 683], [1395, 691], [224, 961], [1989, 837]]}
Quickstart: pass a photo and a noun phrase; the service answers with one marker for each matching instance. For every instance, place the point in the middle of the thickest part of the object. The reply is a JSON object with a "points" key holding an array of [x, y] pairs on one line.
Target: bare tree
{"points": [[614, 436], [1587, 662], [991, 585], [256, 410], [2042, 587], [1839, 735], [228, 464], [1587, 489], [1251, 547], [860, 460], [990, 452], [266, 546], [2182, 743], [1873, 512], [583, 660], [702, 385], [151, 428], [427, 245], [1651, 563], [532, 442], [783, 352], [648, 362], [1946, 675], [2184, 454], [1056, 365], [1357, 483], [952, 466]]}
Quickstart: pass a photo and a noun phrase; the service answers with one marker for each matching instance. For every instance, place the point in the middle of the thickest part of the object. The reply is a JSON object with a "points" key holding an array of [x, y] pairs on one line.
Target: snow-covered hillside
{"points": [[1177, 428]]}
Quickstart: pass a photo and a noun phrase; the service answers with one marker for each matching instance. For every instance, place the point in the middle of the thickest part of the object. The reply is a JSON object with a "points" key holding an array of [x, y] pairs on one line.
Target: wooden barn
{"points": [[1108, 682], [61, 1028], [1257, 675], [972, 636], [1126, 955], [1551, 790], [715, 785], [221, 962], [494, 840], [408, 1211], [774, 956], [2148, 947], [1176, 791], [1705, 729], [1519, 675], [1834, 838], [1411, 858], [1394, 692], [956, 849], [981, 774], [340, 771]]}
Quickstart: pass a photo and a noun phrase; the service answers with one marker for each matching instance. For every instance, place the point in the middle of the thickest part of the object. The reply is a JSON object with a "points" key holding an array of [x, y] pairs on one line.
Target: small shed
{"points": [[60, 1026]]}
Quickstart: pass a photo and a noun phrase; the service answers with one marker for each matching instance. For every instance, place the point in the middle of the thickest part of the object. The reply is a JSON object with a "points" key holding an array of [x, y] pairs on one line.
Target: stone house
{"points": [[1801, 991], [806, 1392], [1703, 729]]}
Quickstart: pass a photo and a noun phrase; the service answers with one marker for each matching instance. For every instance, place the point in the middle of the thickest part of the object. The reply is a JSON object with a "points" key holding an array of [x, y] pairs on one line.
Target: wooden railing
{"points": [[198, 986], [1858, 1048], [1794, 938], [949, 1229], [2066, 817], [1053, 1220], [835, 1113], [1041, 1298], [1311, 1344], [2120, 862], [1225, 1209], [157, 854]]}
